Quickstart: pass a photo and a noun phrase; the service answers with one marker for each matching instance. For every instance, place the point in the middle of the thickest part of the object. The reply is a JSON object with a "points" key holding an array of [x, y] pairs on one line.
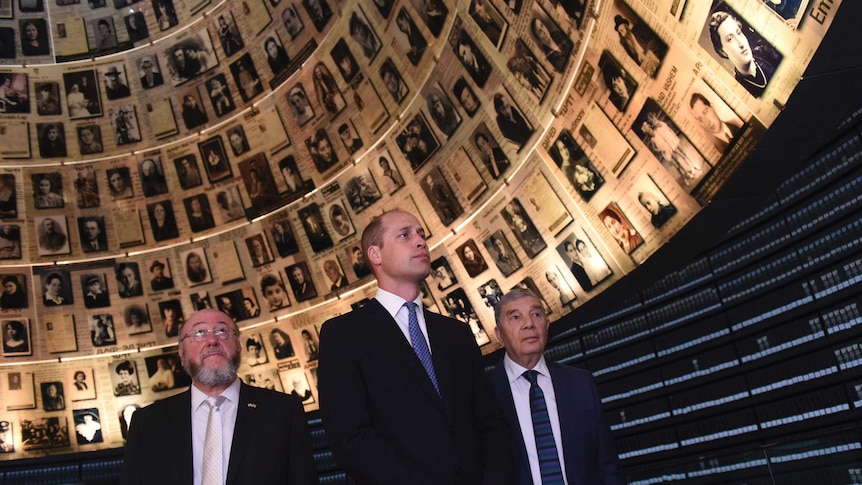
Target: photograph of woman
{"points": [[281, 345], [327, 92], [620, 228], [197, 271], [162, 222], [575, 165], [276, 56], [16, 338], [14, 292]]}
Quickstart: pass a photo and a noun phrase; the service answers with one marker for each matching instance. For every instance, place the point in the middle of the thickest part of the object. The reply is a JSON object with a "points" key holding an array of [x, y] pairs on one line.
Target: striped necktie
{"points": [[211, 469], [549, 460], [420, 346]]}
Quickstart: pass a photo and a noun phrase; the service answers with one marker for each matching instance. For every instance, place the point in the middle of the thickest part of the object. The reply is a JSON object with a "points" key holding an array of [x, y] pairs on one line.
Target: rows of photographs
{"points": [[555, 150]]}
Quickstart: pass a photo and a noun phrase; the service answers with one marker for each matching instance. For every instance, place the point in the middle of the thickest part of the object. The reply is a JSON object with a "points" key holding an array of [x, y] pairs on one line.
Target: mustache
{"points": [[211, 351]]}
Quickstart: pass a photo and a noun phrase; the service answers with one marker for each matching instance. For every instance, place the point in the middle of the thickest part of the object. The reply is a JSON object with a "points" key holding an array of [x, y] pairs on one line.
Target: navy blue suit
{"points": [[384, 419], [588, 450]]}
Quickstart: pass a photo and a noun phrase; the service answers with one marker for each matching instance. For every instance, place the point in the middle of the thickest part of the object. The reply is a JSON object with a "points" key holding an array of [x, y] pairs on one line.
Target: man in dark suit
{"points": [[389, 418], [265, 431], [92, 236], [580, 447]]}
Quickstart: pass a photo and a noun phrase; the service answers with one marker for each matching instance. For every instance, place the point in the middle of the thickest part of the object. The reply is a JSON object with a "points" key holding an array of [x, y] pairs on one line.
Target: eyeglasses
{"points": [[201, 335]]}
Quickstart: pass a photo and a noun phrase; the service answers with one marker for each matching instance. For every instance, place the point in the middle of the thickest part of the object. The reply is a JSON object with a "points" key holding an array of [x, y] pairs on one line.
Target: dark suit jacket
{"points": [[384, 419], [588, 450], [271, 442]]}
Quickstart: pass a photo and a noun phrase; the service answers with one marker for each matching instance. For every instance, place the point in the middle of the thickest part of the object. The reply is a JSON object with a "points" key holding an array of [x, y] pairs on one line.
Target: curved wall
{"points": [[244, 172]]}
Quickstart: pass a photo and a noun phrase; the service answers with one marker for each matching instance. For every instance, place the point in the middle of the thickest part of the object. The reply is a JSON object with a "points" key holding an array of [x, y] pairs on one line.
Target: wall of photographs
{"points": [[161, 157]]}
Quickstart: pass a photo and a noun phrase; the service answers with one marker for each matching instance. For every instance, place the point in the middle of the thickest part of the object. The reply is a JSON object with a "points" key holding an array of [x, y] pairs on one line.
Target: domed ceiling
{"points": [[161, 157]]}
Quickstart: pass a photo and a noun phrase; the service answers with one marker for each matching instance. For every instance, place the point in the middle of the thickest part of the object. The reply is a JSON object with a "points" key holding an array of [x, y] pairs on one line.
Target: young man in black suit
{"points": [[266, 431], [389, 418], [580, 447]]}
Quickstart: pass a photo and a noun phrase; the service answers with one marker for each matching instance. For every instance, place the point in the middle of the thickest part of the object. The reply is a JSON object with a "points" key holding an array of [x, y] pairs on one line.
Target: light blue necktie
{"points": [[420, 346], [549, 460]]}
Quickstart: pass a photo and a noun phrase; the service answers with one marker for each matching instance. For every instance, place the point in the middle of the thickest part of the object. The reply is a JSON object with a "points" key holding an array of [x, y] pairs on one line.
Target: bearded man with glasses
{"points": [[220, 430]]}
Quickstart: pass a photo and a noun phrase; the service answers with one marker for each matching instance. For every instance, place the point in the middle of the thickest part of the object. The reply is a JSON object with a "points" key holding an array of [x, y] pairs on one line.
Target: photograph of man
{"points": [[228, 34], [504, 257], [14, 292], [300, 281], [115, 83], [357, 260], [473, 61], [265, 431], [95, 291], [298, 385], [466, 96], [292, 22], [319, 12], [102, 330], [393, 81], [124, 122], [522, 227], [640, 42], [47, 98], [492, 155], [52, 396], [57, 289], [152, 177], [417, 142], [92, 232], [129, 280], [188, 172], [442, 198], [511, 121], [371, 436], [273, 291], [52, 140], [193, 113], [90, 139], [554, 411], [721, 129], [351, 141], [258, 251], [52, 235], [334, 274], [48, 190], [312, 222], [160, 278], [390, 178], [748, 56]]}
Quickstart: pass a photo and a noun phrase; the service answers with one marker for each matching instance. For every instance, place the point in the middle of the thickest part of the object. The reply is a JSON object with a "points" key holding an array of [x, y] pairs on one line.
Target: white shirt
{"points": [[521, 394], [394, 304], [200, 415]]}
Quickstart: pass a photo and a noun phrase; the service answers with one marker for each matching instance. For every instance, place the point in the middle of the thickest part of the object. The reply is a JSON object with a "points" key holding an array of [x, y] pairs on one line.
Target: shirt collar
{"points": [[231, 394], [392, 302], [514, 370]]}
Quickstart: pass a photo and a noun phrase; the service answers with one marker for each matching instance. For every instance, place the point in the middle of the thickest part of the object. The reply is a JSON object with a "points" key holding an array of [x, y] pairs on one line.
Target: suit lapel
{"points": [[504, 394], [246, 420], [391, 334], [565, 393], [442, 364], [179, 421]]}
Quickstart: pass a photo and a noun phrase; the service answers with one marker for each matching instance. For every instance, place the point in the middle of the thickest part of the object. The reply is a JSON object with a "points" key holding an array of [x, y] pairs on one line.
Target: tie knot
{"points": [[411, 306], [532, 376], [215, 401]]}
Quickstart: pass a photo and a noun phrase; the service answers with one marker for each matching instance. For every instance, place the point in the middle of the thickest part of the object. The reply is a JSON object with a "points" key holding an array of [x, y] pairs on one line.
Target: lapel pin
{"points": [[252, 405]]}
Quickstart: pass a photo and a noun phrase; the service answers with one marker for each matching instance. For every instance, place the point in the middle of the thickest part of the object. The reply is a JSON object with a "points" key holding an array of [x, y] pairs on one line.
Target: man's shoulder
{"points": [[163, 406], [569, 372], [269, 398]]}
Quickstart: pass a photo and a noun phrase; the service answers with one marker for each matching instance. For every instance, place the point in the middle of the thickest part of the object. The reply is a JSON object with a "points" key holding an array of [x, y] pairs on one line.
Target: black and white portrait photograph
{"points": [[577, 168], [45, 432], [115, 82], [152, 176], [198, 212], [246, 78], [14, 93], [511, 120], [458, 306], [654, 202], [339, 220], [620, 84], [312, 222], [48, 190], [81, 384], [166, 15], [193, 111], [52, 140], [433, 13], [408, 36], [189, 57], [740, 49], [220, 96], [336, 280], [229, 203], [94, 287], [300, 281], [90, 139], [101, 329], [215, 159], [129, 284], [318, 11], [8, 196], [238, 141], [94, 237], [522, 227], [326, 90], [323, 152], [442, 274], [136, 27], [417, 142], [490, 152], [165, 372], [228, 34], [137, 319], [295, 185], [344, 60], [259, 184], [526, 68], [388, 176], [16, 337], [171, 312], [442, 111], [466, 96], [53, 397], [292, 21], [587, 265], [296, 383], [471, 258], [124, 124], [120, 183], [441, 196], [51, 233], [258, 250], [47, 98], [86, 186], [637, 39], [124, 377], [490, 21], [88, 426], [393, 81], [384, 7], [361, 191], [555, 46], [471, 58], [283, 238], [299, 104], [160, 274], [363, 35], [276, 57], [104, 33], [82, 94], [197, 268], [163, 223], [188, 171], [564, 292], [14, 294], [56, 287], [34, 35], [502, 254], [349, 137], [713, 116]]}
